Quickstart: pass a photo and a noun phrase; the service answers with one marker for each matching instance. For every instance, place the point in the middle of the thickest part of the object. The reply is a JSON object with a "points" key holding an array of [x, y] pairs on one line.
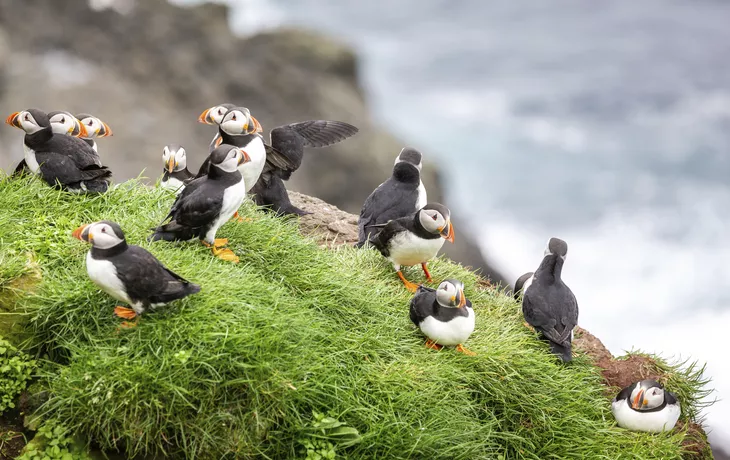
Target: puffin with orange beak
{"points": [[214, 116], [129, 273], [94, 128], [415, 239], [646, 406], [548, 304], [272, 163], [206, 203], [62, 161], [444, 315], [61, 123], [176, 168]]}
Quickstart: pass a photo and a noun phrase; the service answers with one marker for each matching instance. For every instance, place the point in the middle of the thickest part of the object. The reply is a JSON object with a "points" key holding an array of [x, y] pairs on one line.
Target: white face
{"points": [[236, 122], [448, 295], [102, 236], [28, 123], [64, 123], [642, 399], [234, 157], [175, 160], [432, 220], [94, 127], [217, 113]]}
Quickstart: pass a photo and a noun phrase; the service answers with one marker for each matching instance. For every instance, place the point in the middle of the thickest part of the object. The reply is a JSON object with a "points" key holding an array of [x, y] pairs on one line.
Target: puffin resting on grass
{"points": [[646, 406], [129, 273]]}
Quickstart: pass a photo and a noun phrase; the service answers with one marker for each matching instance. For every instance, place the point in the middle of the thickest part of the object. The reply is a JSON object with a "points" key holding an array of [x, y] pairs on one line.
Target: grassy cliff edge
{"points": [[246, 367]]}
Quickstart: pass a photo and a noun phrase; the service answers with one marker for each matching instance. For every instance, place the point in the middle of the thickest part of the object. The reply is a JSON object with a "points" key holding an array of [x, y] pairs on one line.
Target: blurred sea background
{"points": [[606, 124]]}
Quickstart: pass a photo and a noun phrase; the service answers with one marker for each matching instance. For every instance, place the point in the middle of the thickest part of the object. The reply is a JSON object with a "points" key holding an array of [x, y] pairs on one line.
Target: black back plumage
{"points": [[549, 305], [382, 240], [395, 198], [424, 304]]}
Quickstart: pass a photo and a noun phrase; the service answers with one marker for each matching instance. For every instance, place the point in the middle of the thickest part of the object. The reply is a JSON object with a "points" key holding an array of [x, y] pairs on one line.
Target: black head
{"points": [[410, 155], [557, 247]]}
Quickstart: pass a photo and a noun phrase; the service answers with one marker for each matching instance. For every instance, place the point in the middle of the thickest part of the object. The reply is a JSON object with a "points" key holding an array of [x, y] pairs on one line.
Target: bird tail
{"points": [[171, 232], [563, 351]]}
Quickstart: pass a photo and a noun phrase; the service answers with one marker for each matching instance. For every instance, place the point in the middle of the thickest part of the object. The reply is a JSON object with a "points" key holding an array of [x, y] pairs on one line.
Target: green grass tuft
{"points": [[239, 369]]}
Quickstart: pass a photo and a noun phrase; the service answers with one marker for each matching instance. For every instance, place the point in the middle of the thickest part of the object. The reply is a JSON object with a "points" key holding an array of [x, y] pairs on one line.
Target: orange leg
{"points": [[433, 345], [129, 325], [237, 217], [220, 242], [425, 270], [460, 348], [124, 312], [410, 286]]}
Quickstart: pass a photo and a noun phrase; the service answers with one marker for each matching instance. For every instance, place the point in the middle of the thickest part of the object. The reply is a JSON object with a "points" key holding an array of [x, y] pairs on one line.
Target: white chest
{"points": [[252, 169], [654, 422], [422, 198], [104, 274], [173, 183], [408, 249], [30, 160], [233, 196], [451, 332]]}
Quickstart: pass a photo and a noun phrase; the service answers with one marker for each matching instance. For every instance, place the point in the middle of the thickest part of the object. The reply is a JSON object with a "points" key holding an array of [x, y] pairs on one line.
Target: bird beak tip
{"points": [[12, 120], [78, 233], [204, 117]]}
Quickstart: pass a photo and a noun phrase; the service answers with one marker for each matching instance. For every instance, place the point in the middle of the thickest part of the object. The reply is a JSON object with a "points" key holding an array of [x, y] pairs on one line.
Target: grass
{"points": [[237, 370]]}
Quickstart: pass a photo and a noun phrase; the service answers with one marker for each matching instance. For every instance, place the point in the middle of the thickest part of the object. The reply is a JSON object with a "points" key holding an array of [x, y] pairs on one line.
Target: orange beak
{"points": [[218, 141], [12, 120], [205, 117], [77, 233], [105, 131], [171, 164], [462, 302], [637, 400], [244, 158], [257, 126], [449, 236], [82, 131]]}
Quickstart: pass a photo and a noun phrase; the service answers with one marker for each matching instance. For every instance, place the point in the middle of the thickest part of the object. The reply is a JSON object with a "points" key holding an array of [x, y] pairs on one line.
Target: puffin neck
{"points": [[39, 137], [99, 253], [216, 173], [406, 172], [552, 266], [238, 140]]}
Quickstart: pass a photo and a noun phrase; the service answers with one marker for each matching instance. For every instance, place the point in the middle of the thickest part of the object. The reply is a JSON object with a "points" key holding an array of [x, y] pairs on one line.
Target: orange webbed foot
{"points": [[460, 348], [433, 345], [124, 312], [410, 286]]}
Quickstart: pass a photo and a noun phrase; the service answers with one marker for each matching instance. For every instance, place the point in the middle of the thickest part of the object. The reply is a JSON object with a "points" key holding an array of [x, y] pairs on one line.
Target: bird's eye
{"points": [[103, 229], [27, 117], [433, 217], [220, 112], [90, 123], [63, 120]]}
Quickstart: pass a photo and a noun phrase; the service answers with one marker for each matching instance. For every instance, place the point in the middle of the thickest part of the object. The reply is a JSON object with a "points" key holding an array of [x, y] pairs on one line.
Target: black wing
{"points": [[146, 279], [284, 155], [55, 168], [625, 393], [422, 304], [79, 151], [391, 200], [197, 208], [21, 168], [538, 315], [382, 239]]}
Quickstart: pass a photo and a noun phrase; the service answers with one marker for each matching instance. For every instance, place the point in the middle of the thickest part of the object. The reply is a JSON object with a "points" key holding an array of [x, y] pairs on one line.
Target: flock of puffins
{"points": [[396, 219]]}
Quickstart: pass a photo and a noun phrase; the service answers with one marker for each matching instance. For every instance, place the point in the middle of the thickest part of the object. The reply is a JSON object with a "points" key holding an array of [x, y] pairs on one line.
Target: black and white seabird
{"points": [[94, 128], [176, 168], [522, 283], [214, 116], [401, 195], [549, 305], [129, 273], [444, 315], [61, 123], [274, 163], [62, 161], [646, 406], [415, 239], [206, 203]]}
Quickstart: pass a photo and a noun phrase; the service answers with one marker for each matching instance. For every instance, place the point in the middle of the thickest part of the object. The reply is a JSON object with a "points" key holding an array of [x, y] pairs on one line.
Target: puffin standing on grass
{"points": [[415, 239], [61, 123], [62, 161], [129, 273], [646, 406], [444, 315], [94, 128], [549, 305], [176, 168], [272, 164], [399, 196], [206, 203]]}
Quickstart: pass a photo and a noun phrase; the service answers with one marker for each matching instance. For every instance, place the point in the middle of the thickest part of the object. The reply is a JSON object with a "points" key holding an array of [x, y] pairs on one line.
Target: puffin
{"points": [[176, 168], [548, 305], [206, 203], [275, 162], [415, 239], [214, 116], [646, 406], [62, 161], [444, 315], [401, 195], [62, 122], [129, 273], [94, 128], [522, 283]]}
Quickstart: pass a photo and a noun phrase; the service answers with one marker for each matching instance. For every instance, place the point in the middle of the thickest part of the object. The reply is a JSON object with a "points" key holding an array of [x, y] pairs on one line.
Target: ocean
{"points": [[605, 124]]}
